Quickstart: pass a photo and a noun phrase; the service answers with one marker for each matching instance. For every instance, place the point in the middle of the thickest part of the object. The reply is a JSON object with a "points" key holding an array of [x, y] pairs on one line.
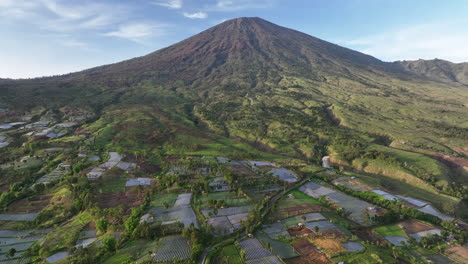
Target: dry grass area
{"points": [[459, 254], [331, 246], [412, 226], [309, 254], [333, 233]]}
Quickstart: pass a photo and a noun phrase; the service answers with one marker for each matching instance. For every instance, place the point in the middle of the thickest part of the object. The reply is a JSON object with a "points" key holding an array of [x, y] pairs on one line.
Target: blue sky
{"points": [[47, 37]]}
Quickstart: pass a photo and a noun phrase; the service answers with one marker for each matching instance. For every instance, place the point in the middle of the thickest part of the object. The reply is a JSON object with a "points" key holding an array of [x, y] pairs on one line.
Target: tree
{"points": [[109, 244], [11, 252], [101, 225], [242, 254]]}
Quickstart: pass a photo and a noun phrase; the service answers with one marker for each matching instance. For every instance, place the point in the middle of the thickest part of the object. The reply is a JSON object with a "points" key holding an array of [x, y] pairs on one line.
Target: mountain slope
{"points": [[439, 70], [269, 85]]}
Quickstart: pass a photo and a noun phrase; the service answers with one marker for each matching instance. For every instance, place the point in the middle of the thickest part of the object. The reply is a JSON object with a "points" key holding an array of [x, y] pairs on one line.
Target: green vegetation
{"points": [[390, 230]]}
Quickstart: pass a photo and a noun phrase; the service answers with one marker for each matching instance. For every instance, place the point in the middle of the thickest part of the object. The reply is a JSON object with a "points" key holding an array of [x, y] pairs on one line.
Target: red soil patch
{"points": [[309, 254], [299, 232], [412, 226], [129, 199], [30, 205]]}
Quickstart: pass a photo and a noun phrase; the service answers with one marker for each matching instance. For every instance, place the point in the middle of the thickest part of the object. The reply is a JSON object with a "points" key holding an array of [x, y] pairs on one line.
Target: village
{"points": [[75, 201]]}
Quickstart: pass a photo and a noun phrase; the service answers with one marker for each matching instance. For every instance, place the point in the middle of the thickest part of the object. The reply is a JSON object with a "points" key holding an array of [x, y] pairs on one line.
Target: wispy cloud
{"points": [[425, 41], [196, 15], [138, 32], [237, 5], [173, 4]]}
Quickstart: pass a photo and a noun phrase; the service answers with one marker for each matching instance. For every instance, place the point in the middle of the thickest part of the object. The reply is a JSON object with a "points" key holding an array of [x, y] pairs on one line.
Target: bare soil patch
{"points": [[243, 172], [459, 254], [30, 205], [299, 232], [367, 234], [330, 245], [301, 209], [309, 254], [333, 233], [129, 199], [411, 226]]}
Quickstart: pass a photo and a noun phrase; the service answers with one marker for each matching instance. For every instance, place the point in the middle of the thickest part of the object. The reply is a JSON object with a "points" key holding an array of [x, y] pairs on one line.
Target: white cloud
{"points": [[196, 15], [237, 5], [174, 4], [138, 32], [426, 41]]}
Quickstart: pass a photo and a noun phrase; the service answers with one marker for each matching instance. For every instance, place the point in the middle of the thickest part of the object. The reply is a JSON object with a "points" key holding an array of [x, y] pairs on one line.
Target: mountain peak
{"points": [[243, 47]]}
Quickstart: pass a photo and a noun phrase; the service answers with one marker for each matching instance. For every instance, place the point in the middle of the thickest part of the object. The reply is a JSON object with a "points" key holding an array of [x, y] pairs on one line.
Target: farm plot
{"points": [[414, 202], [254, 250], [353, 246], [57, 173], [279, 248], [227, 219], [275, 230], [412, 226], [293, 221], [428, 209], [422, 234], [357, 208], [458, 253], [331, 246], [397, 240], [219, 184], [10, 125], [114, 161], [243, 172], [18, 217], [351, 184], [129, 199], [19, 240], [138, 182], [259, 191], [57, 256], [315, 190], [309, 254], [30, 205], [161, 199], [320, 226], [228, 211], [181, 212], [297, 203], [265, 260], [284, 175], [229, 254], [228, 199], [86, 238], [172, 248], [23, 163], [385, 195]]}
